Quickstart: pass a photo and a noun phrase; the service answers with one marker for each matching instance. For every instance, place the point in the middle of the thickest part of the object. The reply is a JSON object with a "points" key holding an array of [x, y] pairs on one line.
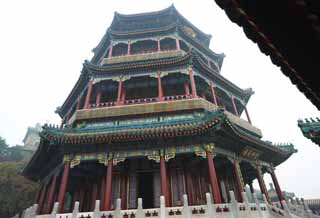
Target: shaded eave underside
{"points": [[289, 32]]}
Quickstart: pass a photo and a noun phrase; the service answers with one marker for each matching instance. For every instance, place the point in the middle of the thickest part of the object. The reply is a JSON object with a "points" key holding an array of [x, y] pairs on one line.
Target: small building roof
{"points": [[311, 129]]}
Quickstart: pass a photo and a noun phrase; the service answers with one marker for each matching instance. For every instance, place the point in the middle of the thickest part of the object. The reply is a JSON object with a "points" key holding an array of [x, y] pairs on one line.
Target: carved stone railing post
{"points": [[223, 191], [23, 213], [249, 195], [26, 213], [34, 211], [248, 212], [286, 208], [162, 207], [245, 200], [117, 212], [96, 212], [210, 210], [54, 210], [75, 209], [269, 214], [186, 209], [140, 213], [306, 208], [257, 204], [234, 205]]}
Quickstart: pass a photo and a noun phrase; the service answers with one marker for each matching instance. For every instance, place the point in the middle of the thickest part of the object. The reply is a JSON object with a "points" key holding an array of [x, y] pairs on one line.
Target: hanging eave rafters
{"points": [[289, 35]]}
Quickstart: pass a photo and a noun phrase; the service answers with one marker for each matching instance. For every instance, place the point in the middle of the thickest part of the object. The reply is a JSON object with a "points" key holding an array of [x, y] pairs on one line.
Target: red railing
{"points": [[145, 52], [103, 104], [176, 97], [141, 101]]}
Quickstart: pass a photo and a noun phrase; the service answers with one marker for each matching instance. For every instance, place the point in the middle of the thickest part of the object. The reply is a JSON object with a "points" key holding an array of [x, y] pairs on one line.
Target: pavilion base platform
{"points": [[233, 209]]}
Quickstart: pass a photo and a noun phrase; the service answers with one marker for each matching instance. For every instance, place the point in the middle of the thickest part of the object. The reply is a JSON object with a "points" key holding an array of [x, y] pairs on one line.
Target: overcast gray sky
{"points": [[44, 43]]}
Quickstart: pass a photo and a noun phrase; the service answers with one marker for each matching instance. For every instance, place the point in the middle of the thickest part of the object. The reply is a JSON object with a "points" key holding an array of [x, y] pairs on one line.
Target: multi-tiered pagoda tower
{"points": [[151, 115]]}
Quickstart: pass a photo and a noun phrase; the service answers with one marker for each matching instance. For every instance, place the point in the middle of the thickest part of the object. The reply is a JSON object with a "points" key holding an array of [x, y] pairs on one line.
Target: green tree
{"points": [[9, 153], [16, 192], [3, 147], [14, 153]]}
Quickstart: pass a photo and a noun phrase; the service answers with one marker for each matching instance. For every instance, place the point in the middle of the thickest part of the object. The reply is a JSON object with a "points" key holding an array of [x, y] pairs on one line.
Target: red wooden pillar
{"points": [[189, 186], [234, 106], [262, 185], [123, 96], [87, 101], [94, 195], [160, 90], [214, 98], [193, 84], [120, 86], [50, 195], [36, 200], [158, 45], [277, 186], [186, 88], [42, 198], [213, 179], [63, 186], [247, 114], [237, 174], [98, 97], [123, 191], [177, 44], [129, 48], [108, 186], [110, 51], [163, 175]]}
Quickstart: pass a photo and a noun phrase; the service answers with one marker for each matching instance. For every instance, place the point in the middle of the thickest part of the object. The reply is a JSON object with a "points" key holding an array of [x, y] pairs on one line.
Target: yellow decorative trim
{"points": [[115, 161], [167, 157], [202, 154], [66, 158], [209, 147], [156, 158], [103, 159], [170, 153], [110, 156], [154, 75], [249, 153], [75, 161], [189, 31], [237, 163]]}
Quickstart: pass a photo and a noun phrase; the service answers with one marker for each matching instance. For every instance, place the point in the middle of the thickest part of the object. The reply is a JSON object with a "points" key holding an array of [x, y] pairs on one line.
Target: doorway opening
{"points": [[145, 189]]}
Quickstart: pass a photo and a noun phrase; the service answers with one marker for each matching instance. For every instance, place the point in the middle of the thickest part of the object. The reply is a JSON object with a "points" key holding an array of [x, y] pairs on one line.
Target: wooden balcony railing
{"points": [[143, 56], [140, 101]]}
